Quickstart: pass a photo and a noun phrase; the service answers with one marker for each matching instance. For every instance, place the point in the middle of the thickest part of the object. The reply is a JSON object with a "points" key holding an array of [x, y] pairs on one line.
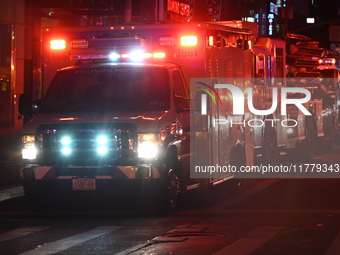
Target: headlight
{"points": [[66, 140], [102, 145], [102, 140], [28, 151], [148, 145], [66, 144]]}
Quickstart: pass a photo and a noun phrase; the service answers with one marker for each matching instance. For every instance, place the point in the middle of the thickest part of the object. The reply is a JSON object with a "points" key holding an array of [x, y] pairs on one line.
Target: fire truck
{"points": [[318, 130], [269, 70], [330, 79], [117, 114]]}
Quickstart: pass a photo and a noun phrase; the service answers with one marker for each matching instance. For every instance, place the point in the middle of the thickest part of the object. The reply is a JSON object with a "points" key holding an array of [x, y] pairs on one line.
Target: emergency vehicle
{"points": [[330, 79], [116, 115], [314, 131], [269, 67], [119, 113]]}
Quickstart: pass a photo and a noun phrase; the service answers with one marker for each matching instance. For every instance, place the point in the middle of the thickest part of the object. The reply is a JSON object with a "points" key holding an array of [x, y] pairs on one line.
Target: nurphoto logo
{"points": [[238, 99]]}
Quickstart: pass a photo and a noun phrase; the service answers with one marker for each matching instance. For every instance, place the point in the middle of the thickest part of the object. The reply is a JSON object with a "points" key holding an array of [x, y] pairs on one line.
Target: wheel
{"points": [[171, 188], [269, 148]]}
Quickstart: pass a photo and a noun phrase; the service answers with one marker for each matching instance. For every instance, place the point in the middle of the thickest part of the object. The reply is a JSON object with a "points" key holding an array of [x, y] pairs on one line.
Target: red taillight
{"points": [[57, 44]]}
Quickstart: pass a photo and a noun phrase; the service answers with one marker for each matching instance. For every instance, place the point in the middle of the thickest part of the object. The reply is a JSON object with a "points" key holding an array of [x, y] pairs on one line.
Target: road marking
{"points": [[11, 193], [334, 248], [66, 243], [20, 232], [244, 195], [251, 242]]}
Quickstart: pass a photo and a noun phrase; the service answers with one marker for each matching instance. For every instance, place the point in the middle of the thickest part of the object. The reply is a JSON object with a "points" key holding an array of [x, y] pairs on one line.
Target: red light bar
{"points": [[134, 56]]}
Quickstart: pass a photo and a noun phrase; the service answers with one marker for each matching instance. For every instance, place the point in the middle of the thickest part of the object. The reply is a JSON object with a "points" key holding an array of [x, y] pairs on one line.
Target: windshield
{"points": [[109, 89]]}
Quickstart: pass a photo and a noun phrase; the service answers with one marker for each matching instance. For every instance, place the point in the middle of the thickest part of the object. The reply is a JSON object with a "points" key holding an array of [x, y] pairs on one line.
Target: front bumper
{"points": [[108, 181], [143, 171]]}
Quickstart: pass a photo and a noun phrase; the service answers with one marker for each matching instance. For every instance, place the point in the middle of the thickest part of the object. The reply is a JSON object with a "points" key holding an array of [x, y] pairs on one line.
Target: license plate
{"points": [[84, 183]]}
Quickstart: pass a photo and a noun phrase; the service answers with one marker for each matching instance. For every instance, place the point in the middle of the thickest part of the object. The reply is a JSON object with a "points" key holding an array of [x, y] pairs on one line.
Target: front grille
{"points": [[86, 143]]}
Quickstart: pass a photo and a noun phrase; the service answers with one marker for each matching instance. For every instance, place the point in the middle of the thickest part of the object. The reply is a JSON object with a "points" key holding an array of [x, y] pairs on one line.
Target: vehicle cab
{"points": [[106, 123]]}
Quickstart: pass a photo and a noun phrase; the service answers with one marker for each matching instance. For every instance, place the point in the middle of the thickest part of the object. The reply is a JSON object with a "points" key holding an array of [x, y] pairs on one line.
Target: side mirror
{"points": [[182, 104], [26, 106]]}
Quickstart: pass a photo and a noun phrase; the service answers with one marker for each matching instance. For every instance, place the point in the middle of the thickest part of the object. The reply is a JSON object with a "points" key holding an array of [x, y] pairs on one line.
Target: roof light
{"points": [[190, 40], [84, 57], [57, 44], [136, 56], [133, 56], [113, 56], [148, 55], [159, 55], [327, 61], [167, 40]]}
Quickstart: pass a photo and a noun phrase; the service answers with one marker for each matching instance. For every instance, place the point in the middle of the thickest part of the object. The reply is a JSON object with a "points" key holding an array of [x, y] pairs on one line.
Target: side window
{"points": [[181, 93]]}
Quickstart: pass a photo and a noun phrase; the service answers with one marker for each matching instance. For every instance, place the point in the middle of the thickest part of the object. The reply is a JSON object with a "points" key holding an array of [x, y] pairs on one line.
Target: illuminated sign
{"points": [[273, 8], [178, 11], [270, 26]]}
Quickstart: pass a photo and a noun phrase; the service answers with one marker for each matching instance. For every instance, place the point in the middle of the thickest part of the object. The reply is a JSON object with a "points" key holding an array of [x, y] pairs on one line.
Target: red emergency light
{"points": [[132, 56], [189, 40], [58, 44], [327, 61], [137, 56]]}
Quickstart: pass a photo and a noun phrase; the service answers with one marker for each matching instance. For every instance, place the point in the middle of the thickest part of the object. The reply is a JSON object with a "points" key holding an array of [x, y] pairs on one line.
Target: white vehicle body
{"points": [[140, 132]]}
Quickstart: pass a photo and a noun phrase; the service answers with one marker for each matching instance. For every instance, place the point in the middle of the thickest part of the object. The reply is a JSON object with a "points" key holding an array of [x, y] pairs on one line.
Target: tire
{"points": [[171, 188], [269, 148]]}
